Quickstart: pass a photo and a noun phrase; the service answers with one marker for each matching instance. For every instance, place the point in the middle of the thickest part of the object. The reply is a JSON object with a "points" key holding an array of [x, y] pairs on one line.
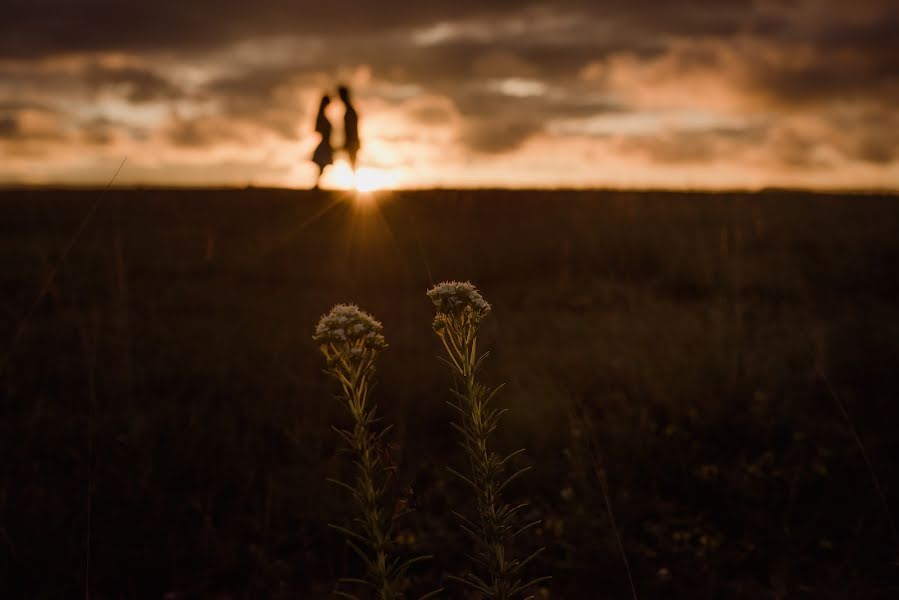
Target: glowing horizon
{"points": [[580, 96]]}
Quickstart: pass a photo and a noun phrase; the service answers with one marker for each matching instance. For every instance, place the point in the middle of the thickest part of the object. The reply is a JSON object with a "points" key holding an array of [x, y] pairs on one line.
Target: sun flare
{"points": [[366, 179]]}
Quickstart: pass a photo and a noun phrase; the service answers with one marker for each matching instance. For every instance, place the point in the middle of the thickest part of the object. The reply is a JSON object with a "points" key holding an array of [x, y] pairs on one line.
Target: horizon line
{"points": [[882, 191]]}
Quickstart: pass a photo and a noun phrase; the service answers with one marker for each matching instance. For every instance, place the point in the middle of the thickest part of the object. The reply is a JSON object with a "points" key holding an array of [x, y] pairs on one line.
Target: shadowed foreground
{"points": [[164, 425]]}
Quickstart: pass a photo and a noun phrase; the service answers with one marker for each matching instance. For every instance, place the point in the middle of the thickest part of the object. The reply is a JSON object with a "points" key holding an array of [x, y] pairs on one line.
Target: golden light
{"points": [[372, 180], [366, 179]]}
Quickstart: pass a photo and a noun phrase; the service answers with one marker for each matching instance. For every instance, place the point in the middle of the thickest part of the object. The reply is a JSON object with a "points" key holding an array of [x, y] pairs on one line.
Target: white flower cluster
{"points": [[346, 324], [457, 297]]}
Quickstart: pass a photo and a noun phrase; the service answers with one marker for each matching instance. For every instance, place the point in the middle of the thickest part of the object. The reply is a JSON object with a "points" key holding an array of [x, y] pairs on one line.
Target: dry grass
{"points": [[664, 337]]}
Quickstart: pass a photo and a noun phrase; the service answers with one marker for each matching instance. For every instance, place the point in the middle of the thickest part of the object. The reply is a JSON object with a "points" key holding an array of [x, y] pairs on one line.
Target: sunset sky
{"points": [[455, 93]]}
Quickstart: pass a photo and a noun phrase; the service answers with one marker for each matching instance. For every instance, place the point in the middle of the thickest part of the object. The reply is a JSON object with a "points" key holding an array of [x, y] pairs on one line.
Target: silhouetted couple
{"points": [[324, 152]]}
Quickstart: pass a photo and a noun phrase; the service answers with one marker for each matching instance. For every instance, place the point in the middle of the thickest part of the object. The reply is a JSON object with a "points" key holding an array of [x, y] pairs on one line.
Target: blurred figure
{"points": [[350, 127], [324, 153]]}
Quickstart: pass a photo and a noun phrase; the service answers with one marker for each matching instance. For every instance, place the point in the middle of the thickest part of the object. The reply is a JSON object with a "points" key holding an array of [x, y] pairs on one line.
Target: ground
{"points": [[707, 359]]}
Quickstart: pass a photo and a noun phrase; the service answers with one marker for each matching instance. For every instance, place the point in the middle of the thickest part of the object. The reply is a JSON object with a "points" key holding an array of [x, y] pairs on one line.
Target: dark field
{"points": [[165, 423]]}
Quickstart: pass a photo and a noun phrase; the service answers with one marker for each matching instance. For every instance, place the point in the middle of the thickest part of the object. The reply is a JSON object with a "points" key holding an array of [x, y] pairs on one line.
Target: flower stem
{"points": [[369, 493]]}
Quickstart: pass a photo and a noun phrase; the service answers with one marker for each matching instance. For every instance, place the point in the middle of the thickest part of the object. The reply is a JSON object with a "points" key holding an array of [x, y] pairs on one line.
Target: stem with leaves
{"points": [[351, 340], [460, 309]]}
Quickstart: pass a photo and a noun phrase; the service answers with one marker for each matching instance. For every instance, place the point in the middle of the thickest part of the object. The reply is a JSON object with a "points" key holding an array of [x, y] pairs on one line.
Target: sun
{"points": [[372, 180], [365, 180]]}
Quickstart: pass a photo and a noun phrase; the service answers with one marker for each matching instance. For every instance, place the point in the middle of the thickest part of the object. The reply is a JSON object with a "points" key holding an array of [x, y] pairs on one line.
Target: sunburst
{"points": [[365, 180]]}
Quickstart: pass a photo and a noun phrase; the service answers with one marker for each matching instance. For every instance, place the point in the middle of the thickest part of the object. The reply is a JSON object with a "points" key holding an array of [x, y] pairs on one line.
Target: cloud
{"points": [[23, 121], [691, 146], [138, 84], [782, 85], [491, 137], [503, 64], [9, 127], [212, 131], [798, 142]]}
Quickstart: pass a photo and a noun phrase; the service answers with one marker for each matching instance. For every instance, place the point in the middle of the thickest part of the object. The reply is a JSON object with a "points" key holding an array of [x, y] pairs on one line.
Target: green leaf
{"points": [[349, 533], [530, 584], [462, 477], [481, 588], [525, 528], [511, 456], [356, 581], [511, 478]]}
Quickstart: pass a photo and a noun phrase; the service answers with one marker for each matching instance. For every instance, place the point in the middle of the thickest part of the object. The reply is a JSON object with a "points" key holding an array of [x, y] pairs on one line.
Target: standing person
{"points": [[324, 153], [350, 127]]}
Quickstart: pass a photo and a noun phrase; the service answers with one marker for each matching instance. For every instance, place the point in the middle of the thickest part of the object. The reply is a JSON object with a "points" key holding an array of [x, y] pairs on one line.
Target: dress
{"points": [[324, 153]]}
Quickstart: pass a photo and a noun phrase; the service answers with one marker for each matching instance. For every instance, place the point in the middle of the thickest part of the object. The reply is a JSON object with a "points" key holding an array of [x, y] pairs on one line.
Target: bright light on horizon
{"points": [[373, 180], [366, 179]]}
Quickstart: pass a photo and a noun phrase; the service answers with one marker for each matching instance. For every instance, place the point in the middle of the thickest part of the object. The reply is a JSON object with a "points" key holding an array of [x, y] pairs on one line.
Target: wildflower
{"points": [[346, 324], [458, 297], [460, 309], [351, 340]]}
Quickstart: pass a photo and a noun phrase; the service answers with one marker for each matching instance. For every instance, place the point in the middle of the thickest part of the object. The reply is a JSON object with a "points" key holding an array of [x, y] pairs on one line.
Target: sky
{"points": [[454, 93]]}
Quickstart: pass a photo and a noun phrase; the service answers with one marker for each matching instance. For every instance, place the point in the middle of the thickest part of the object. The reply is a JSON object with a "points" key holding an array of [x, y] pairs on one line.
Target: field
{"points": [[708, 359]]}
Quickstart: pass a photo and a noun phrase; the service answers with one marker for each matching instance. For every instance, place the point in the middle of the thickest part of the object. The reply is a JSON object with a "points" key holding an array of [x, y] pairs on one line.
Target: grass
{"points": [[164, 415]]}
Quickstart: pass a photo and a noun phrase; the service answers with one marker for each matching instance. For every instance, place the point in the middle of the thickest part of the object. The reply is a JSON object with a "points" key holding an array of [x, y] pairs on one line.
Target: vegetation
{"points": [[351, 340], [675, 365], [460, 309]]}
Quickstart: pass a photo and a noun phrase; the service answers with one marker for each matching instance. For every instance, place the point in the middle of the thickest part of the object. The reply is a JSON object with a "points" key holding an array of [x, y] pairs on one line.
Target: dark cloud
{"points": [[254, 84], [22, 121], [431, 115], [9, 127], [36, 27], [877, 149], [139, 84], [872, 136], [802, 55], [824, 74], [205, 132], [869, 139], [104, 132], [41, 27], [692, 146], [493, 137], [267, 96], [11, 106]]}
